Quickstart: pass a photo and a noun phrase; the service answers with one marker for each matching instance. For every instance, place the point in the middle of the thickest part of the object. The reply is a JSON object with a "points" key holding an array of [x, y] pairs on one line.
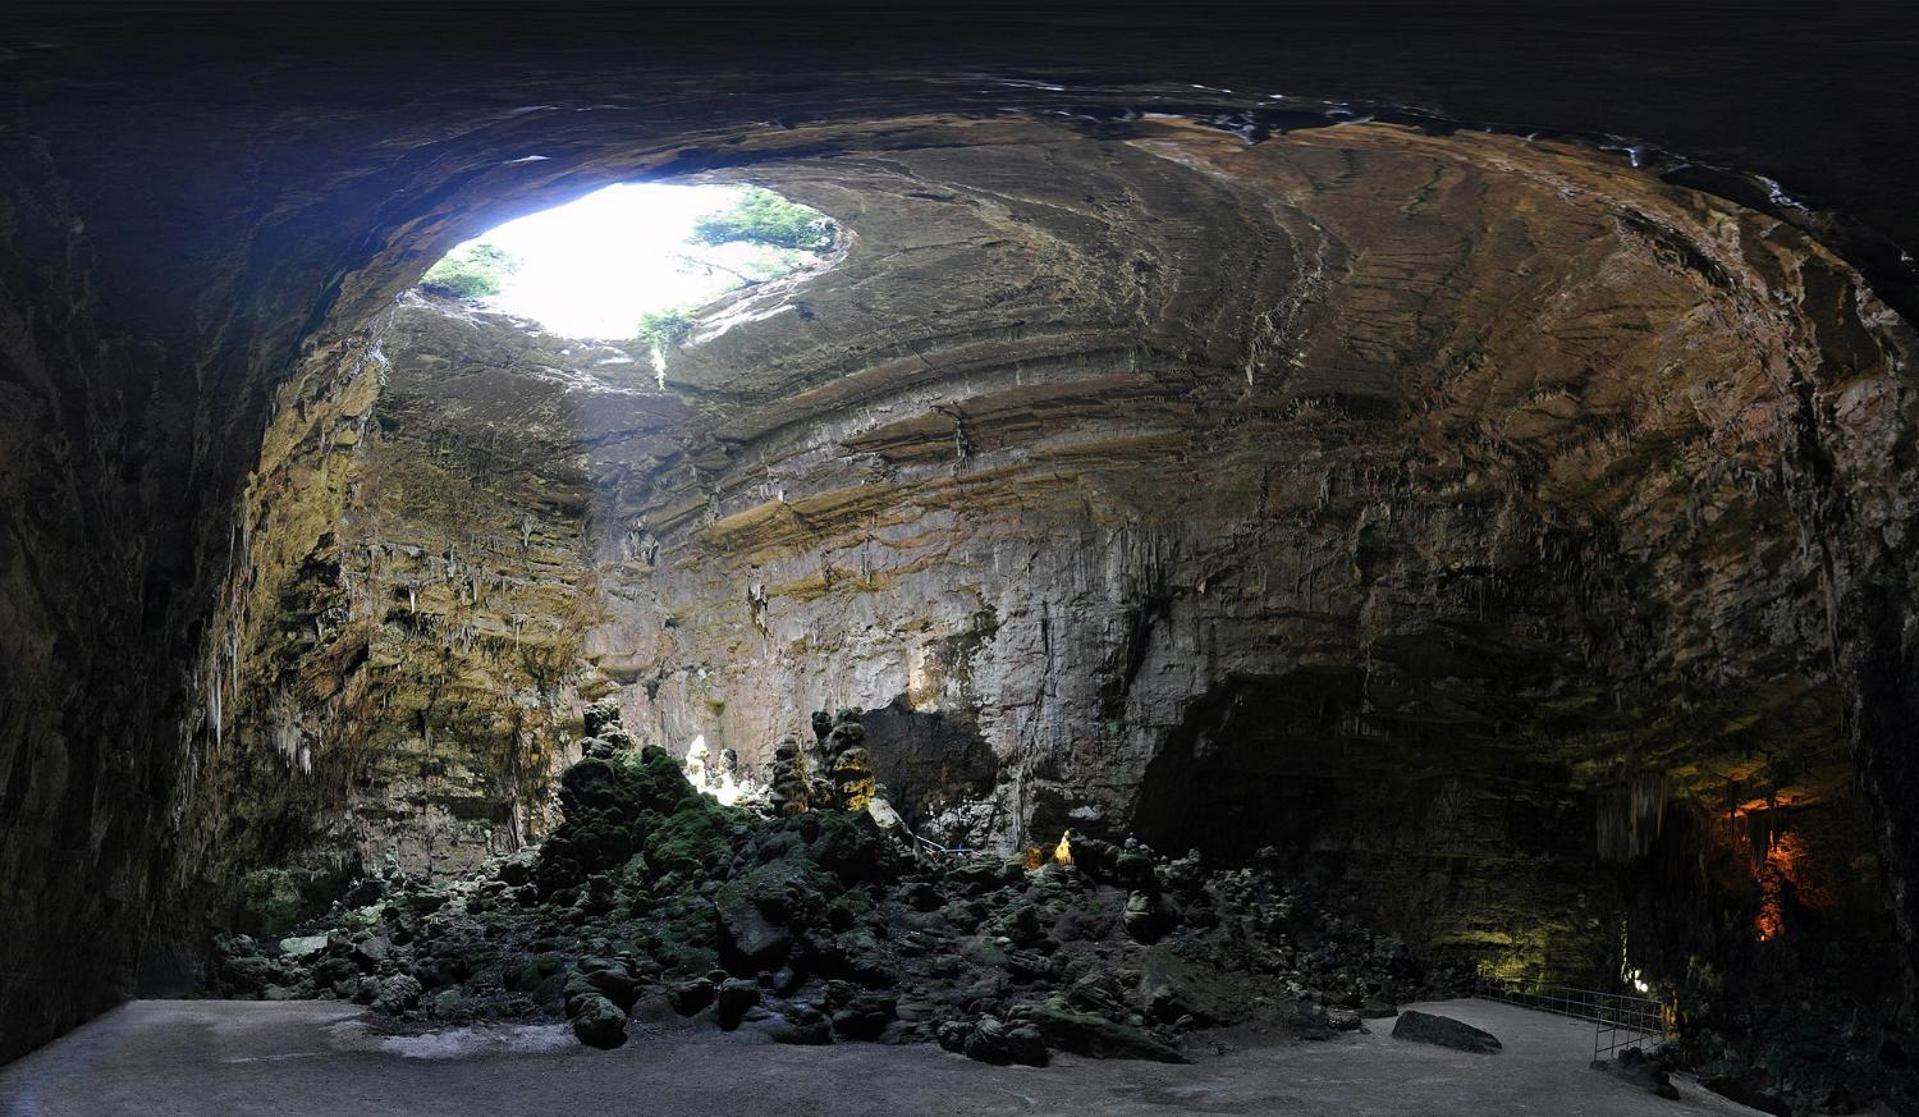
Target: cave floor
{"points": [[310, 1058]]}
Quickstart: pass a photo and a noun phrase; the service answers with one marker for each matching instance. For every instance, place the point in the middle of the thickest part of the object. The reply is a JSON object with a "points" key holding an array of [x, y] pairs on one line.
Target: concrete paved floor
{"points": [[317, 1059]]}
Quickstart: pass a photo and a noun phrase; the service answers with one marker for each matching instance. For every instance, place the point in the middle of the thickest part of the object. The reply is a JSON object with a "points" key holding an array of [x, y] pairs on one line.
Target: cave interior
{"points": [[1404, 483]]}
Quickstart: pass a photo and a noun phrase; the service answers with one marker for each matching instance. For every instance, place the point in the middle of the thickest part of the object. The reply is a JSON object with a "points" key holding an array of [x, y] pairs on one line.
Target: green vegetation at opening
{"points": [[664, 327], [659, 331], [787, 235], [473, 272], [763, 217]]}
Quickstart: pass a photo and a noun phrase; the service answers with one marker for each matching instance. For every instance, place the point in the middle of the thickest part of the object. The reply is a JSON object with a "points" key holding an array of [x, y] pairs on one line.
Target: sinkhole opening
{"points": [[633, 264]]}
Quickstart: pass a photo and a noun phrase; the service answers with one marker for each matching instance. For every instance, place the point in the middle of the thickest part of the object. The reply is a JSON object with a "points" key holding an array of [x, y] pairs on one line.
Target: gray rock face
{"points": [[1444, 1031], [1165, 612], [1171, 988]]}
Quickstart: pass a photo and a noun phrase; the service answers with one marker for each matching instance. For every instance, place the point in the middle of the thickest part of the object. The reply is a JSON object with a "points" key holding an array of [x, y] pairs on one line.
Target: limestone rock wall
{"points": [[403, 628], [1388, 499], [1464, 457]]}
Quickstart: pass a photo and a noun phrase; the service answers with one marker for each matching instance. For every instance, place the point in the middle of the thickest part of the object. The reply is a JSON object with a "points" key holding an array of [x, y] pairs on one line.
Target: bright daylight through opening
{"points": [[632, 262]]}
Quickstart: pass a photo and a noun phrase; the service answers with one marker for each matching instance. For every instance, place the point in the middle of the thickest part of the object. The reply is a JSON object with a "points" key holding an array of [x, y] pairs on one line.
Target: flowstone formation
{"points": [[812, 924]]}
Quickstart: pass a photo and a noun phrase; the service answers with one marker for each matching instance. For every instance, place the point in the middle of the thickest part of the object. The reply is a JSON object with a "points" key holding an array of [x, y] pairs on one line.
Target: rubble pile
{"points": [[809, 919]]}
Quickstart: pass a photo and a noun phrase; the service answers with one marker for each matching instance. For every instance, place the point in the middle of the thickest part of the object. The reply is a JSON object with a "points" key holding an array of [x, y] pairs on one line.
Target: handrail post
{"points": [[1619, 1020]]}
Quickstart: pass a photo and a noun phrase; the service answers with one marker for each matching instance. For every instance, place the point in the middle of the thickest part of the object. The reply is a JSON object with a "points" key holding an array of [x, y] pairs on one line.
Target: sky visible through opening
{"points": [[593, 267]]}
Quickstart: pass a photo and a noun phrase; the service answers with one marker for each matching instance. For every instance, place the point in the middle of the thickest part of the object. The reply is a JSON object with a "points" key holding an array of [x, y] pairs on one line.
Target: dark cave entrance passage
{"points": [[1471, 845], [932, 766], [1257, 762]]}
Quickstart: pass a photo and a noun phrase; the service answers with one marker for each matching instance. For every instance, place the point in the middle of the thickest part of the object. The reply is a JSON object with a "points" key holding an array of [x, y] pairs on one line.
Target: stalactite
{"points": [[214, 714], [1630, 816], [233, 658]]}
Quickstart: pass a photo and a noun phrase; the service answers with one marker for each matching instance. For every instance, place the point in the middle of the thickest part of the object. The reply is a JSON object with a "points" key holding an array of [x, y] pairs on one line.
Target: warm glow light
{"points": [[591, 268], [1770, 923], [1786, 864], [1063, 852]]}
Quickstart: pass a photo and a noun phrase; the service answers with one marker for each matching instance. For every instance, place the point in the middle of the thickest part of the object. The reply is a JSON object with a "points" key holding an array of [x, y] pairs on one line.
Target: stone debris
{"points": [[808, 924]]}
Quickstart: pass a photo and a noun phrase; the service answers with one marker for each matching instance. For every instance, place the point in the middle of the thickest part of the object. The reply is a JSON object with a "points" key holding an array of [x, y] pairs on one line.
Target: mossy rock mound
{"points": [[693, 842], [612, 809]]}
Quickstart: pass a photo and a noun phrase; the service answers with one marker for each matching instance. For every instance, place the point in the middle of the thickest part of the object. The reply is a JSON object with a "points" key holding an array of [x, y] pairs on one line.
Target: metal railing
{"points": [[1620, 1020]]}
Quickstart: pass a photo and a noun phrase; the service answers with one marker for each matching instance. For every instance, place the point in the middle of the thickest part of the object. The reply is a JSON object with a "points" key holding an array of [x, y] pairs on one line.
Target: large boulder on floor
{"points": [[736, 995], [611, 979], [689, 997], [1083, 1033], [397, 994], [866, 1015], [750, 941], [1425, 1027], [759, 909], [600, 1023], [994, 1042], [989, 1040]]}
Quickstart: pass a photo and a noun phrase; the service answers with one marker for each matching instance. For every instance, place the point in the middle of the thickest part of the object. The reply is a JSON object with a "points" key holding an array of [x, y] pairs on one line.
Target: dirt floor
{"points": [[313, 1058]]}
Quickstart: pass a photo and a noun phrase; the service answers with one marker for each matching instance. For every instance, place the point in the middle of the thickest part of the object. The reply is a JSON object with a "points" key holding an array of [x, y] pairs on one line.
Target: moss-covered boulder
{"points": [[759, 911], [599, 1023], [696, 840], [610, 807]]}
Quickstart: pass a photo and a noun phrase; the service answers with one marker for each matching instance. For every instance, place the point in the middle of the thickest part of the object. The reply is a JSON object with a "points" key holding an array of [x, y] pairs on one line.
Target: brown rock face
{"points": [[1456, 512], [407, 617]]}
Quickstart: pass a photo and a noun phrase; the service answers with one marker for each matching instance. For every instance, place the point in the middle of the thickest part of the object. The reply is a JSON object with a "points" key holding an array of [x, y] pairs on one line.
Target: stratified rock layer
{"points": [[1420, 507]]}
